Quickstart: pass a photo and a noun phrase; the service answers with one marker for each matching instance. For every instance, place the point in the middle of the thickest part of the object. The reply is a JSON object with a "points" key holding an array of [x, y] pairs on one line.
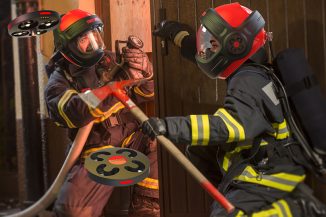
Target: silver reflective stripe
{"points": [[282, 208], [236, 131], [200, 129], [271, 178], [269, 91], [284, 130]]}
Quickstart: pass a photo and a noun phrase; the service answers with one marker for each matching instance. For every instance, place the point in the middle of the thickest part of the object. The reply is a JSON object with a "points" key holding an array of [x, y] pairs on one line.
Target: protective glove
{"points": [[138, 63], [154, 127], [168, 30], [105, 68]]}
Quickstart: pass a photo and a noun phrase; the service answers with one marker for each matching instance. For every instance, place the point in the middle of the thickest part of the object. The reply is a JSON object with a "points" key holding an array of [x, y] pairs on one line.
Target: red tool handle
{"points": [[177, 154]]}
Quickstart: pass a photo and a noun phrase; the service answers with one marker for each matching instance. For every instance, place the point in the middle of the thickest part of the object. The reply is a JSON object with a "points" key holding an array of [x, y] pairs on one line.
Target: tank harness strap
{"points": [[236, 168], [306, 83]]}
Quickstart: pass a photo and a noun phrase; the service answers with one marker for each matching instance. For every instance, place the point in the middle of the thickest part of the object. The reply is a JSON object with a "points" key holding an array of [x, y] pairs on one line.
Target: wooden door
{"points": [[181, 89]]}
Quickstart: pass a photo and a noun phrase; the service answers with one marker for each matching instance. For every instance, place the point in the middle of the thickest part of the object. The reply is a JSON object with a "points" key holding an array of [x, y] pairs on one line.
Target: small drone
{"points": [[33, 24]]}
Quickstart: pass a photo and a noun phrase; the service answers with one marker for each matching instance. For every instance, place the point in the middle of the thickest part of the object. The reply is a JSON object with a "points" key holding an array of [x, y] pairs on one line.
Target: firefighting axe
{"points": [[94, 97]]}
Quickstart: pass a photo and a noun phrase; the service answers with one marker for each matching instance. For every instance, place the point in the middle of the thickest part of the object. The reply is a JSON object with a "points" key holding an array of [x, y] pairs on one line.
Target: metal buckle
{"points": [[113, 121]]}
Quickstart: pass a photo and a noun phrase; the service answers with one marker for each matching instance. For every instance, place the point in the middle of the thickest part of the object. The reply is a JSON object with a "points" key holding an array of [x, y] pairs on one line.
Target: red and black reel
{"points": [[33, 24], [117, 166]]}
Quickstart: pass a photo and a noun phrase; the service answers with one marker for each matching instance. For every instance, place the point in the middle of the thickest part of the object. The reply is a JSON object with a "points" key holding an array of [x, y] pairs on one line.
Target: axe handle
{"points": [[177, 154]]}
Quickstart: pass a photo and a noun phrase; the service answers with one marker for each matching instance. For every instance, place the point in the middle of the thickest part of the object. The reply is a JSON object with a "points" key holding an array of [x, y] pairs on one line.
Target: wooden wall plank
{"points": [[296, 26], [131, 18], [276, 11], [173, 184], [315, 51]]}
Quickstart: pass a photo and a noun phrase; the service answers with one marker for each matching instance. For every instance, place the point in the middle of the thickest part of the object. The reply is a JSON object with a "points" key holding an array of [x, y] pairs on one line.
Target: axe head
{"points": [[90, 98]]}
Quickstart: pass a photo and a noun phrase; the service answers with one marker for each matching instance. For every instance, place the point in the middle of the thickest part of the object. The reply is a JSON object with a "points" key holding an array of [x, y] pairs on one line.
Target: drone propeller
{"points": [[33, 24]]}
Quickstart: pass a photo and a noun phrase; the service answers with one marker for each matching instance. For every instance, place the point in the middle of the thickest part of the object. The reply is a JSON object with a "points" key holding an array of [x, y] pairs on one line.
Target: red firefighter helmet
{"points": [[228, 36], [79, 39]]}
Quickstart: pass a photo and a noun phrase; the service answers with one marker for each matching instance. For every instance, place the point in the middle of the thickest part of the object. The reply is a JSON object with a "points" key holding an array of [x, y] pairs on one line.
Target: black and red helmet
{"points": [[79, 39], [228, 36]]}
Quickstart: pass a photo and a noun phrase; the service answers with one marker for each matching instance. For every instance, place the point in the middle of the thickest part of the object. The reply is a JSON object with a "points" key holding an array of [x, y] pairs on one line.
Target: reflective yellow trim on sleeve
{"points": [[282, 181], [194, 129], [206, 129], [235, 129], [127, 140], [149, 183], [102, 116], [141, 93], [199, 129], [62, 102], [95, 112]]}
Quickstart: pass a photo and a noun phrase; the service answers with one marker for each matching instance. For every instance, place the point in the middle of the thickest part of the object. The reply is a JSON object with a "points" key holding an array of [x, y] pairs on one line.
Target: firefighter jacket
{"points": [[68, 110], [114, 124], [251, 113]]}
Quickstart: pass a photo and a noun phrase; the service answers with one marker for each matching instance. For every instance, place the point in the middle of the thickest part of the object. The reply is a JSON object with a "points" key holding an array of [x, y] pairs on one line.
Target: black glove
{"points": [[169, 29], [154, 127]]}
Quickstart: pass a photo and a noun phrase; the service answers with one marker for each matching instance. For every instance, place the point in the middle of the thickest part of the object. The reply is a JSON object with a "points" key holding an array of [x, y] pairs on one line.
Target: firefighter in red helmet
{"points": [[249, 134], [81, 63]]}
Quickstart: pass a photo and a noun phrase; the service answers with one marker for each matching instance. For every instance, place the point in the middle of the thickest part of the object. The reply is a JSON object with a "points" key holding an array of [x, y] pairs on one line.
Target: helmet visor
{"points": [[207, 44], [90, 42]]}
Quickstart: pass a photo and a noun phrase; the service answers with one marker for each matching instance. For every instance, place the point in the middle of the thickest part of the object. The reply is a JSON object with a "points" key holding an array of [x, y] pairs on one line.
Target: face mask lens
{"points": [[207, 44], [90, 42]]}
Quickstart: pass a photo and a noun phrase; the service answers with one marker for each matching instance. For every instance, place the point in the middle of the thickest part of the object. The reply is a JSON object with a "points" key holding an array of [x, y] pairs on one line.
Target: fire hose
{"points": [[94, 98], [51, 194]]}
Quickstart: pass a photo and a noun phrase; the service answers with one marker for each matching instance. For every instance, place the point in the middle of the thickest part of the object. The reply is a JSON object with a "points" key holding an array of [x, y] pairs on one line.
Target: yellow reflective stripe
{"points": [[282, 125], [228, 155], [240, 213], [104, 115], [278, 209], [226, 161], [228, 126], [287, 208], [282, 208], [206, 129], [266, 213], [141, 93], [194, 129], [91, 150], [62, 102], [289, 177], [281, 130], [282, 135], [236, 131], [236, 123], [283, 181], [95, 112], [127, 140], [149, 183], [200, 129]]}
